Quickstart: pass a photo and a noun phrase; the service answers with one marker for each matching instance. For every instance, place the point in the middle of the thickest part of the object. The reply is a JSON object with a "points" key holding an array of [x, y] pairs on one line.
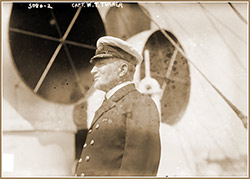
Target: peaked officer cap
{"points": [[112, 47]]}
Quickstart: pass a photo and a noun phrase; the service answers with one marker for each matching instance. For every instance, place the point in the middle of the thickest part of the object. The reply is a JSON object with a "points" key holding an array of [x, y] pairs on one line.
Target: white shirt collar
{"points": [[116, 88]]}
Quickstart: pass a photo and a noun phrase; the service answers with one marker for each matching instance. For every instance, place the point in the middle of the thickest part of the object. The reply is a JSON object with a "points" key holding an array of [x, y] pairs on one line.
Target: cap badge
{"points": [[100, 47]]}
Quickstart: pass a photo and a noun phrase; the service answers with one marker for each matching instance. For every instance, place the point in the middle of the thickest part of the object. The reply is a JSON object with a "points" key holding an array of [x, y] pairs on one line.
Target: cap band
{"points": [[108, 51]]}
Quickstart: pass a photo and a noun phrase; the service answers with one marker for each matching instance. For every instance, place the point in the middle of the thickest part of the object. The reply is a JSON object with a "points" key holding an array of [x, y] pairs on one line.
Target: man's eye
{"points": [[99, 65]]}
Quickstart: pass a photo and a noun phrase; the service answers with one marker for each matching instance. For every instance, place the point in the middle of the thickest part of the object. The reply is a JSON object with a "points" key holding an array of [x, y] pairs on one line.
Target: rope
{"points": [[238, 112], [221, 35], [189, 35], [224, 25], [238, 14], [174, 57]]}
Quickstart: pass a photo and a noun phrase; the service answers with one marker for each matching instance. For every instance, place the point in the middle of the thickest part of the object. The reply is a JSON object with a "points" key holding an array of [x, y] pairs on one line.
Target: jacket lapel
{"points": [[111, 102]]}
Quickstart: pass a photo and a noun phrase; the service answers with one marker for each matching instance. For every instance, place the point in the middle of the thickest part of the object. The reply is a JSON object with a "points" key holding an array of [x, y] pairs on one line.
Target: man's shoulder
{"points": [[138, 98], [130, 96], [135, 94]]}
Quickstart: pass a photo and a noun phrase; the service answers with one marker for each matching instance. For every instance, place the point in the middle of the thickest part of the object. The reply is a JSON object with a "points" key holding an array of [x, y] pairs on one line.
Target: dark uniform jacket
{"points": [[123, 139]]}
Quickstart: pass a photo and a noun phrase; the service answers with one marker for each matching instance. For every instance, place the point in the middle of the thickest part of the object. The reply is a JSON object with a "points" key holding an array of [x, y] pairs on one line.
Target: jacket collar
{"points": [[119, 94], [116, 88], [111, 102]]}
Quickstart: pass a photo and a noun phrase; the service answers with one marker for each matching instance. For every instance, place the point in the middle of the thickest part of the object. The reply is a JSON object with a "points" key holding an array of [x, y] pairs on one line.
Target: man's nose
{"points": [[94, 70]]}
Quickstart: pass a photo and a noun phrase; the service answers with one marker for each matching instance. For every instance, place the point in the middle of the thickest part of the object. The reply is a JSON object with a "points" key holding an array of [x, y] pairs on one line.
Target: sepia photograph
{"points": [[125, 89]]}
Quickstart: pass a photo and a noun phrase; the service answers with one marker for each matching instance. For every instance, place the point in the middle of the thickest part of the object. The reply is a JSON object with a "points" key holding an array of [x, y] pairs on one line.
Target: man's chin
{"points": [[96, 86]]}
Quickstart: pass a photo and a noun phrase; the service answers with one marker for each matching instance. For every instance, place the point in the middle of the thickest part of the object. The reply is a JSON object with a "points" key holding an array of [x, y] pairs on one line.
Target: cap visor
{"points": [[100, 56]]}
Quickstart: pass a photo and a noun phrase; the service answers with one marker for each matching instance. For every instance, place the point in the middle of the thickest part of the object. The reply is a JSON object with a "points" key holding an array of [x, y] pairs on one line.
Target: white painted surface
{"points": [[8, 162]]}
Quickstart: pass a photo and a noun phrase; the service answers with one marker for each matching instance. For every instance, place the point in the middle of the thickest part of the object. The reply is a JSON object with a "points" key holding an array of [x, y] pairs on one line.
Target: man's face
{"points": [[106, 74]]}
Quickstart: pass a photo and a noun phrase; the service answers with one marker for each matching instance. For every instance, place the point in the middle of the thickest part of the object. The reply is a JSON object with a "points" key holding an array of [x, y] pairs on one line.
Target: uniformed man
{"points": [[123, 139]]}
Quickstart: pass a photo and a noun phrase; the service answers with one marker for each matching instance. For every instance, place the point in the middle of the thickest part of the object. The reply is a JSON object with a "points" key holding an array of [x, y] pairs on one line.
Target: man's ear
{"points": [[123, 69]]}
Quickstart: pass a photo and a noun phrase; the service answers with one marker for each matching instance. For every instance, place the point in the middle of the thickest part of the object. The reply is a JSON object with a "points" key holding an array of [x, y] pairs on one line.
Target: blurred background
{"points": [[197, 76]]}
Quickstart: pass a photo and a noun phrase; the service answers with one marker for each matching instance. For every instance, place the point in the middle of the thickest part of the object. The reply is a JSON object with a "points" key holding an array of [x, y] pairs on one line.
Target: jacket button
{"points": [[92, 142], [97, 126], [82, 174], [129, 114], [87, 158], [80, 160], [109, 121], [90, 130], [85, 145]]}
